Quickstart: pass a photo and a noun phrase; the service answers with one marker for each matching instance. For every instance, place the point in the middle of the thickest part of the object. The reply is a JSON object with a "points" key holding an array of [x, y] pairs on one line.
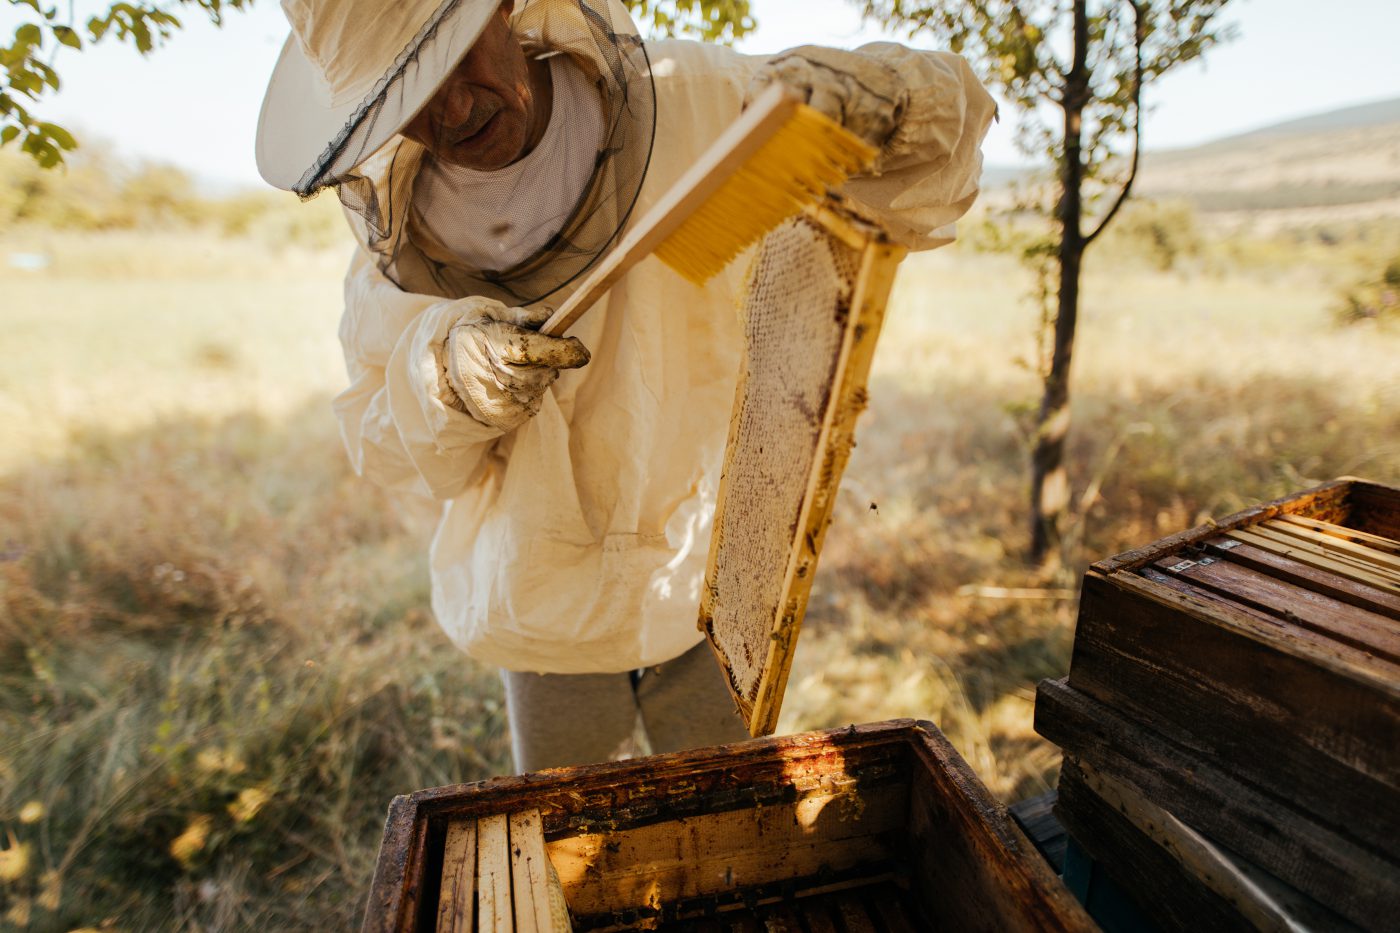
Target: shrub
{"points": [[1375, 299], [95, 191], [1161, 233]]}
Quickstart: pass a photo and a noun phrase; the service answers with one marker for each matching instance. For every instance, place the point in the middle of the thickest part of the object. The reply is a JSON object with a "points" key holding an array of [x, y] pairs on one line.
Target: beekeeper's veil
{"points": [[355, 72]]}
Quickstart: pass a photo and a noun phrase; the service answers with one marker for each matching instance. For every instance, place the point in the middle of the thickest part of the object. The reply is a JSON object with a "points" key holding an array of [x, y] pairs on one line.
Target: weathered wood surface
{"points": [[457, 900], [814, 303], [1291, 603], [880, 907], [1354, 503], [1367, 548], [1269, 538], [1245, 676], [983, 895], [690, 857], [529, 875], [401, 869], [1376, 542], [1264, 626], [1291, 710], [1334, 867], [749, 776], [1337, 586], [1374, 509], [1180, 879], [493, 892], [1036, 817]]}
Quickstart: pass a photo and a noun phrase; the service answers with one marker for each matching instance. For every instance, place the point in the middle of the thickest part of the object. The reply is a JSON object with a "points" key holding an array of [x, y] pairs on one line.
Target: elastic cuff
{"points": [[444, 391]]}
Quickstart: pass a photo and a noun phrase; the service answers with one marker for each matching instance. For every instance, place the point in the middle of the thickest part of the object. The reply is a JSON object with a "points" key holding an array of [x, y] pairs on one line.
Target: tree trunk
{"points": [[1049, 482]]}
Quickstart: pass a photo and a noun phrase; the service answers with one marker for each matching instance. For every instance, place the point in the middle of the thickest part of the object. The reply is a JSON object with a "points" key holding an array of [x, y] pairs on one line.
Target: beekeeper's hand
{"points": [[498, 366], [861, 93]]}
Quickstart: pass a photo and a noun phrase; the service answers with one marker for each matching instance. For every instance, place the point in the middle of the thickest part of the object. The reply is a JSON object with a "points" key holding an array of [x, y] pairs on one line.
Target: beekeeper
{"points": [[487, 153]]}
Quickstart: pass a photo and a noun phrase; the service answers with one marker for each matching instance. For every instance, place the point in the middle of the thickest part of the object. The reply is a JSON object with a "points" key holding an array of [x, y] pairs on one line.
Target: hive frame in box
{"points": [[790, 818], [791, 433]]}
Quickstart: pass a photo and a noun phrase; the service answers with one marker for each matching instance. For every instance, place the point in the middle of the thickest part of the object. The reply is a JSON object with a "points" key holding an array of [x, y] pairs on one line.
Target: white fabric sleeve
{"points": [[927, 174], [397, 417]]}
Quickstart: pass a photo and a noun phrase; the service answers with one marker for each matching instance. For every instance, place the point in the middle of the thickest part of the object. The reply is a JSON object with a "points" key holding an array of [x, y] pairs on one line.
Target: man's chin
{"points": [[497, 148]]}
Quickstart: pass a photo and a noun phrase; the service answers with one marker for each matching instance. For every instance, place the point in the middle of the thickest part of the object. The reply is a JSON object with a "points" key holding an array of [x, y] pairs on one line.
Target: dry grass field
{"points": [[216, 664]]}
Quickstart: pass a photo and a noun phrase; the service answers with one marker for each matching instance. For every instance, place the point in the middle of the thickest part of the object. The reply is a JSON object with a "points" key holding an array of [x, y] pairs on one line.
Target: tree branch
{"points": [[1139, 35]]}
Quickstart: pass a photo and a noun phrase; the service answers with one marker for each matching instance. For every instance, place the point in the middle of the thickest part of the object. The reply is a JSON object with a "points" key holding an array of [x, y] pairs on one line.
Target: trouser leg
{"points": [[686, 704], [568, 719]]}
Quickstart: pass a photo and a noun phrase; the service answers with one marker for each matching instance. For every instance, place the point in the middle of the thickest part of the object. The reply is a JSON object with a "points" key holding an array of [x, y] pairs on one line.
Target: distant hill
{"points": [[1343, 164], [1377, 113], [1340, 164]]}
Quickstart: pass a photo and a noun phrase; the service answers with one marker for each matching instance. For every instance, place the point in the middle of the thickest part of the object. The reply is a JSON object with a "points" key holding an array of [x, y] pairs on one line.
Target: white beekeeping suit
{"points": [[577, 543], [575, 500]]}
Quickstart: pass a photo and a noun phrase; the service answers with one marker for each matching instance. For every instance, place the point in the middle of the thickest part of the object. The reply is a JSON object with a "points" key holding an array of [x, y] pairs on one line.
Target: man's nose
{"points": [[456, 103]]}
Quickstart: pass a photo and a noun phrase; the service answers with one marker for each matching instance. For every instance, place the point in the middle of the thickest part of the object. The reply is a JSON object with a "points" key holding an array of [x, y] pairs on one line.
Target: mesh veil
{"points": [[600, 39]]}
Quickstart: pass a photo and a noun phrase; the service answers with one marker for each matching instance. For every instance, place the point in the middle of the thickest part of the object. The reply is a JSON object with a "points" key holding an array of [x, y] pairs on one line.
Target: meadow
{"points": [[216, 659]]}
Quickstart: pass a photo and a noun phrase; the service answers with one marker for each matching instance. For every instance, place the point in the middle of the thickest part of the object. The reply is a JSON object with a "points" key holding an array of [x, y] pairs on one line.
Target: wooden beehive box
{"points": [[1180, 879], [878, 827], [1244, 676]]}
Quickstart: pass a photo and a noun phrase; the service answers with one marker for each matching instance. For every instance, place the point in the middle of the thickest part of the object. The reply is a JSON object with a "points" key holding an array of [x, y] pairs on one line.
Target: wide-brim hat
{"points": [[351, 75]]}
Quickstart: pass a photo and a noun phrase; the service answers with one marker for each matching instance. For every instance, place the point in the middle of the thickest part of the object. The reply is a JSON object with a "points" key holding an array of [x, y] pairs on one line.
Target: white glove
{"points": [[861, 93], [499, 367]]}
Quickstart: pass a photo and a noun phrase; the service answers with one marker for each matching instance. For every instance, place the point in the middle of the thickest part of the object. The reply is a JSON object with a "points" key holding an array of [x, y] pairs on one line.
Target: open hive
{"points": [[1243, 679], [871, 828]]}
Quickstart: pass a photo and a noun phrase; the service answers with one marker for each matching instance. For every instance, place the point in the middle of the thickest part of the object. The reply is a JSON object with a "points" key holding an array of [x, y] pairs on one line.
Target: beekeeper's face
{"points": [[485, 115]]}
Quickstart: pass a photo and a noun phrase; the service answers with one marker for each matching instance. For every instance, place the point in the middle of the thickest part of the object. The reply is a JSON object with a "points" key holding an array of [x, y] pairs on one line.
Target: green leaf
{"points": [[8, 134], [26, 82], [58, 134], [29, 34], [46, 74], [18, 114], [142, 32], [68, 37]]}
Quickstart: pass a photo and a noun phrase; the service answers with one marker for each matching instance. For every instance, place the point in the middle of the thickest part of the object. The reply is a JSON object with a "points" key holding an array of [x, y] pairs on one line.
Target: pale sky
{"points": [[195, 102]]}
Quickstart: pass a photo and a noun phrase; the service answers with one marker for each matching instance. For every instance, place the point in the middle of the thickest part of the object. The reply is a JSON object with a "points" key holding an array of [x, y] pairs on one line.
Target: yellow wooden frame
{"points": [[878, 260]]}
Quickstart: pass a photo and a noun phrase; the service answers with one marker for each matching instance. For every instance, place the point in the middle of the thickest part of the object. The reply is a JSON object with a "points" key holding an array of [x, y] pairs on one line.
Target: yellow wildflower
{"points": [[250, 801], [14, 861], [51, 893], [188, 844]]}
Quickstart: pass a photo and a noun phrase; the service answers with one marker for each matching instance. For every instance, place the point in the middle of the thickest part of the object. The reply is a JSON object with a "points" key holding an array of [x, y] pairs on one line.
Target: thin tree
{"points": [[1091, 62]]}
